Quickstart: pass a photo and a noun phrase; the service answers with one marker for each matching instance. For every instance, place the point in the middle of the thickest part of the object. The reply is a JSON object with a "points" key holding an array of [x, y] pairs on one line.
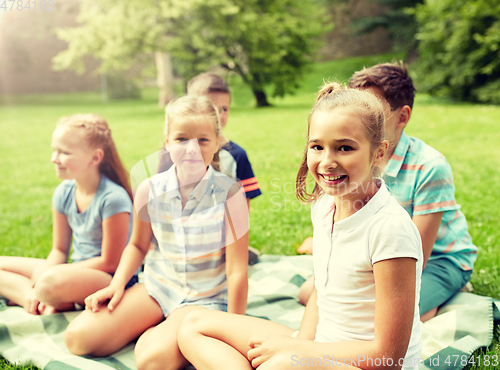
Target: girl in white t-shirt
{"points": [[363, 312]]}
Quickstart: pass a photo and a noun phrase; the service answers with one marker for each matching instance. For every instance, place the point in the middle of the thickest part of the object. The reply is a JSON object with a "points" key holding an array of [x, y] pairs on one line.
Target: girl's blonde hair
{"points": [[363, 105], [97, 134], [195, 107]]}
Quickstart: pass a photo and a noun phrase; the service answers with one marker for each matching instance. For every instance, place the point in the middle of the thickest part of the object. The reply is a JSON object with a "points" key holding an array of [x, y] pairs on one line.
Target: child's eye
{"points": [[316, 147], [345, 148], [203, 140], [181, 140]]}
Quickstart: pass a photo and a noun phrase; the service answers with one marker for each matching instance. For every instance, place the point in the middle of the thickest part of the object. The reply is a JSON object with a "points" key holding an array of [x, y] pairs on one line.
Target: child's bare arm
{"points": [[428, 227], [310, 319], [61, 243], [236, 226], [132, 257]]}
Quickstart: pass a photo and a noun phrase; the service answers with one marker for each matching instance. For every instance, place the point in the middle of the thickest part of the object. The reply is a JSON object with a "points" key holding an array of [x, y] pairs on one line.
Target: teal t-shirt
{"points": [[421, 180], [86, 226]]}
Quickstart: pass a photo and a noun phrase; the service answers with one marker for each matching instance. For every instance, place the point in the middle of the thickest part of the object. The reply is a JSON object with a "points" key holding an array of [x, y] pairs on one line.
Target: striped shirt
{"points": [[188, 264], [421, 180]]}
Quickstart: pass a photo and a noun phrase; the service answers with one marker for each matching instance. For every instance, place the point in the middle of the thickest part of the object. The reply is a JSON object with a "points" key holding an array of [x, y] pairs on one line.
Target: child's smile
{"points": [[339, 154], [332, 179]]}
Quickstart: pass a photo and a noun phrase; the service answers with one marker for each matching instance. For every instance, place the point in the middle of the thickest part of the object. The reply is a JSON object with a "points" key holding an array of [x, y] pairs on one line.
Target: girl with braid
{"points": [[91, 212]]}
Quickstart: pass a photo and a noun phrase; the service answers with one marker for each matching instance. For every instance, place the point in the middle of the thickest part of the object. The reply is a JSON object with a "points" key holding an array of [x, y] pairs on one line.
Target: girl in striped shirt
{"points": [[200, 220]]}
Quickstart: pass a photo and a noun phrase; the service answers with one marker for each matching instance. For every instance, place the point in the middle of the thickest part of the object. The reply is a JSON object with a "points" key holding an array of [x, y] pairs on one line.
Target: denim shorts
{"points": [[134, 280]]}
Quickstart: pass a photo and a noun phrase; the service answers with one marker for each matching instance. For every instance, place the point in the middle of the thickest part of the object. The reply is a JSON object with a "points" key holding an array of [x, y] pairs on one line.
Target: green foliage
{"points": [[121, 87], [118, 33], [268, 43], [398, 18], [460, 49]]}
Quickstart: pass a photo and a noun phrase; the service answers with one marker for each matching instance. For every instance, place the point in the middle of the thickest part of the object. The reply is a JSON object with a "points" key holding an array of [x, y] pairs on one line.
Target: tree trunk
{"points": [[164, 78], [261, 98]]}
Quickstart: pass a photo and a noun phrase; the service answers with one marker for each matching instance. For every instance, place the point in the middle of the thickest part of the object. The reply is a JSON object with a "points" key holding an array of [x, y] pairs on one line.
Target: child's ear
{"points": [[380, 153], [97, 157], [404, 116]]}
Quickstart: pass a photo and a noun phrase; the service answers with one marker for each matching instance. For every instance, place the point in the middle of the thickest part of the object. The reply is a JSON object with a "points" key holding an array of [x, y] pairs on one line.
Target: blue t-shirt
{"points": [[110, 199], [234, 163]]}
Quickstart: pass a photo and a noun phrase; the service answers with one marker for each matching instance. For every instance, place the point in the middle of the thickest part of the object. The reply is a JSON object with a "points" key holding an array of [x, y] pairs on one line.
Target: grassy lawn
{"points": [[274, 138]]}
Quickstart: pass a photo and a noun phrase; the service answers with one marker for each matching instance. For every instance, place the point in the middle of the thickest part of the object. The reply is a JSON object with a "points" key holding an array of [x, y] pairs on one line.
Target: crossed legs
{"points": [[57, 289], [218, 340]]}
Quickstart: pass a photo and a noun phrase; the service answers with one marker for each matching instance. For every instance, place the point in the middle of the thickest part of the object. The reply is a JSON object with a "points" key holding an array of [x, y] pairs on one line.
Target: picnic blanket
{"points": [[463, 325]]}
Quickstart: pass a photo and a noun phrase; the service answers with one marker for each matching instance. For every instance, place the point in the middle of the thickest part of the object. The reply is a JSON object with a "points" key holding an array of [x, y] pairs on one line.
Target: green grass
{"points": [[274, 138], [4, 365]]}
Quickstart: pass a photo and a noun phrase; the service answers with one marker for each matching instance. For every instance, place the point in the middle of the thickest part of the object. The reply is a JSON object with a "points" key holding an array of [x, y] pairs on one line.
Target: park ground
{"points": [[274, 138]]}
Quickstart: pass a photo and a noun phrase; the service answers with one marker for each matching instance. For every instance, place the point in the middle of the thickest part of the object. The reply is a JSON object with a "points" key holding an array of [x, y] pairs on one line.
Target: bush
{"points": [[122, 87], [459, 50]]}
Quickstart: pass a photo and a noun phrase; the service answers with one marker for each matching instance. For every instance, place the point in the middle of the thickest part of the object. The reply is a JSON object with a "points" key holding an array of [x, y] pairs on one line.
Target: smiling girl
{"points": [[92, 206], [363, 312], [200, 220]]}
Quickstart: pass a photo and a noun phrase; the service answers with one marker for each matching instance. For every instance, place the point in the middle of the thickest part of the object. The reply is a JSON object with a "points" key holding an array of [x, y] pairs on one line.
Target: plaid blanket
{"points": [[462, 326]]}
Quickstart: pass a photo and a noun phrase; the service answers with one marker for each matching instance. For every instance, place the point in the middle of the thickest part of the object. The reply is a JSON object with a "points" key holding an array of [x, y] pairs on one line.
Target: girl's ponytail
{"points": [[98, 135], [329, 88]]}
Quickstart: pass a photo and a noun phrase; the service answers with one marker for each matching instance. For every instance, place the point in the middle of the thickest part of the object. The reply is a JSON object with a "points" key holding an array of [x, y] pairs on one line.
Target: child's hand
{"points": [[307, 246], [111, 293], [31, 303], [263, 349]]}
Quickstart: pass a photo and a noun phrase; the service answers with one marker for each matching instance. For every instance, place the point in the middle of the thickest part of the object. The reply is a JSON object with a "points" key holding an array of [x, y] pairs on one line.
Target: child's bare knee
{"points": [[144, 360], [192, 323], [78, 340], [47, 286], [152, 358]]}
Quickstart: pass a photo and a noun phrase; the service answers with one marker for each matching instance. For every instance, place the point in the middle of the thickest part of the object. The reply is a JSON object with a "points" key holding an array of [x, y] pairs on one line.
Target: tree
{"points": [[269, 43], [398, 19], [119, 34], [460, 49], [266, 42]]}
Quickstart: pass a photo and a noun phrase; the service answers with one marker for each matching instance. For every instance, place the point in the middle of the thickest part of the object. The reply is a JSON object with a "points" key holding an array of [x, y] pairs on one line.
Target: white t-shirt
{"points": [[343, 266]]}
